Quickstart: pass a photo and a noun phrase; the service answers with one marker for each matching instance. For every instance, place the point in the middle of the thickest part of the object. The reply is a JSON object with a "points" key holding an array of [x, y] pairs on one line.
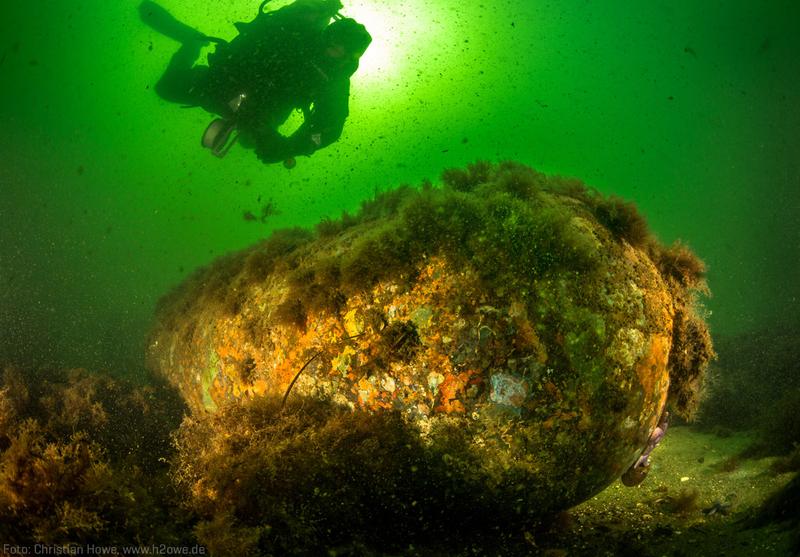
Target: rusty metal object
{"points": [[556, 380]]}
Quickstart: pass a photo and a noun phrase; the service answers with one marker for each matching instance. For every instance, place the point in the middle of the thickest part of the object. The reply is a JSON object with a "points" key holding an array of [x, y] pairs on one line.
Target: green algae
{"points": [[546, 287]]}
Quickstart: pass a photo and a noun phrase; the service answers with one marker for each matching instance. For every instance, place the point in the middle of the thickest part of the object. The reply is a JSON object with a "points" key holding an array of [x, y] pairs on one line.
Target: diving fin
{"points": [[165, 23]]}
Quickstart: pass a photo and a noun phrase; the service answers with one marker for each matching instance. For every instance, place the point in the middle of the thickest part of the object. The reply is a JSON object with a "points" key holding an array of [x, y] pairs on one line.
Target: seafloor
{"points": [[701, 498], [86, 459], [89, 459]]}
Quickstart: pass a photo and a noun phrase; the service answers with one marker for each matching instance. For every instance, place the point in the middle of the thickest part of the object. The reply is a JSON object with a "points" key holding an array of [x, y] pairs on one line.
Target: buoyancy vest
{"points": [[271, 58]]}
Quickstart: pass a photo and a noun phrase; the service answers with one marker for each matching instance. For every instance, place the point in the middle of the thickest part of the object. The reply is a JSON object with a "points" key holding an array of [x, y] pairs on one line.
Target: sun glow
{"points": [[403, 33], [380, 57], [396, 30]]}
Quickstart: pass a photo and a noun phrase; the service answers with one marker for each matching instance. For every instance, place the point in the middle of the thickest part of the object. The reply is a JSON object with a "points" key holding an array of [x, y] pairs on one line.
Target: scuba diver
{"points": [[293, 58]]}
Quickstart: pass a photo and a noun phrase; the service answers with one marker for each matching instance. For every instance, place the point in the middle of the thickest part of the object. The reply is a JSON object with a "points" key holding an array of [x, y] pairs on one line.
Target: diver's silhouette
{"points": [[287, 59]]}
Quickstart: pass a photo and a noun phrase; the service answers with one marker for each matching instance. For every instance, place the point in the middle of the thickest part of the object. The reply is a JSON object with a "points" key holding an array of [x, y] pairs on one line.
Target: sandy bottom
{"points": [[695, 502]]}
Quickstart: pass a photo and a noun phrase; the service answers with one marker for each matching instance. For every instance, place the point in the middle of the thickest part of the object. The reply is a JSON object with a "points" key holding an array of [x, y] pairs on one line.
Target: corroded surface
{"points": [[555, 380]]}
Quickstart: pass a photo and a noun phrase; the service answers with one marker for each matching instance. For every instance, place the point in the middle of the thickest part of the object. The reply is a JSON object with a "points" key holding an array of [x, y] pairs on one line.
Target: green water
{"points": [[691, 109]]}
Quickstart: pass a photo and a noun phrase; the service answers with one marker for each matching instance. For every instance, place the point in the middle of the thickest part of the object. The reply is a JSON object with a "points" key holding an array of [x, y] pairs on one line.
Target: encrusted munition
{"points": [[526, 321]]}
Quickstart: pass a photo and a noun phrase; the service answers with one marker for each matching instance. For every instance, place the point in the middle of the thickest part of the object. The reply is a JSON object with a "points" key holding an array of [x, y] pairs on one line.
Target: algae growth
{"points": [[523, 328], [366, 390]]}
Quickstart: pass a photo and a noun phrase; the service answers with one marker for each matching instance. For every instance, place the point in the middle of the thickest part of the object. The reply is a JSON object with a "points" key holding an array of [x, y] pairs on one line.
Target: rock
{"points": [[536, 318]]}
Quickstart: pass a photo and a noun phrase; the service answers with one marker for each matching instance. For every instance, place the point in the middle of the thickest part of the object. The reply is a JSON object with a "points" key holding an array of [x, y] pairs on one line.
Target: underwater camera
{"points": [[219, 136]]}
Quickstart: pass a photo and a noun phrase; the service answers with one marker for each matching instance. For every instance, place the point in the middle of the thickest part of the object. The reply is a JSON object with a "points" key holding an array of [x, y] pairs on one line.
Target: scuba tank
{"points": [[264, 46], [272, 43], [274, 23]]}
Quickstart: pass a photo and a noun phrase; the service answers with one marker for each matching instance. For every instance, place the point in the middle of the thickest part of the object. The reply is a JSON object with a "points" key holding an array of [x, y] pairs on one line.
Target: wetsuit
{"points": [[279, 62]]}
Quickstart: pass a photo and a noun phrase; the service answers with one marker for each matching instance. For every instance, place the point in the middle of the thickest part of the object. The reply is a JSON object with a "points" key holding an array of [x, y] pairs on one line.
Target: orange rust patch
{"points": [[451, 389], [259, 387], [217, 391], [652, 367], [286, 363], [367, 393], [553, 391], [559, 417]]}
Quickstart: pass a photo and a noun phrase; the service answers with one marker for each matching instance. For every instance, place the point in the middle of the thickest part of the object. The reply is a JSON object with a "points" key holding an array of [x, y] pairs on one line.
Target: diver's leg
{"points": [[182, 82], [165, 23]]}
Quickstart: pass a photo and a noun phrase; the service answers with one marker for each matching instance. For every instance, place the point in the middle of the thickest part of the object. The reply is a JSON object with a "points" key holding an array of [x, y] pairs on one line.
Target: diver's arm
{"points": [[321, 126], [324, 124], [273, 147]]}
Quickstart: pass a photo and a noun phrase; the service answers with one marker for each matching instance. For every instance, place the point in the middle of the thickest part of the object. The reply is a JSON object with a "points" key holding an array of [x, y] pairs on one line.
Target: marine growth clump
{"points": [[451, 363]]}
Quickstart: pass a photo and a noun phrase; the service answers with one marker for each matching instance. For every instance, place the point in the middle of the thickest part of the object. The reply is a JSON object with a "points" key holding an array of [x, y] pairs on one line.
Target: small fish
{"points": [[267, 210], [690, 50], [249, 216]]}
